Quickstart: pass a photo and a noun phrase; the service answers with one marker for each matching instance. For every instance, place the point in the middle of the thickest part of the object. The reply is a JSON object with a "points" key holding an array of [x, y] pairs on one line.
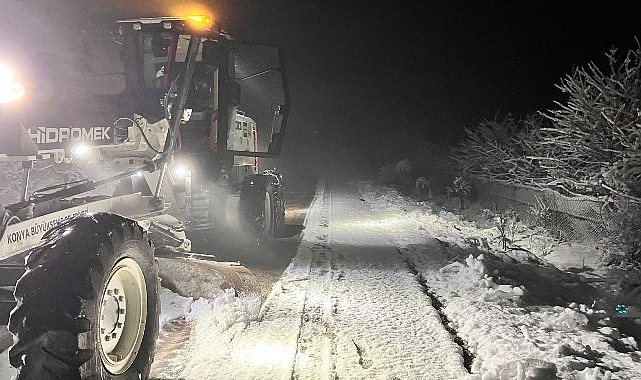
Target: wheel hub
{"points": [[123, 313], [111, 313]]}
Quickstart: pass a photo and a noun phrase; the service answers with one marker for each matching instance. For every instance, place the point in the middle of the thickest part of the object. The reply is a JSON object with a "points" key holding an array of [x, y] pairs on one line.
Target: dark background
{"points": [[371, 82], [450, 62], [385, 79]]}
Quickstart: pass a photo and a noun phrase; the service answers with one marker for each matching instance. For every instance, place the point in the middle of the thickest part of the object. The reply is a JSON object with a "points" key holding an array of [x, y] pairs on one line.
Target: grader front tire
{"points": [[88, 303]]}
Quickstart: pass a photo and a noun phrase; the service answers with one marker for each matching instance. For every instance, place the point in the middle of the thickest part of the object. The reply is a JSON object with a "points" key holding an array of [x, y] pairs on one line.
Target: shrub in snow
{"points": [[422, 186], [624, 223], [596, 142], [541, 214], [596, 131], [403, 171], [460, 189], [506, 223], [403, 168], [589, 145], [504, 149], [399, 173]]}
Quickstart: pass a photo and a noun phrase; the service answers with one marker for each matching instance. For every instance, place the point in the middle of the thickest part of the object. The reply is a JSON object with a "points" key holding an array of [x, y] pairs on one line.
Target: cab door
{"points": [[255, 88]]}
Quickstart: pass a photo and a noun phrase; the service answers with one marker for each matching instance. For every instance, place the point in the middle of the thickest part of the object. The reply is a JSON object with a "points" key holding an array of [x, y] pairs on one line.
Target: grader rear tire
{"points": [[262, 205], [88, 303]]}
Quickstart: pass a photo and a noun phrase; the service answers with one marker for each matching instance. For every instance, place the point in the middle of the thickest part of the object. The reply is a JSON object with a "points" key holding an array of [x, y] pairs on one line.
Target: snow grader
{"points": [[86, 299]]}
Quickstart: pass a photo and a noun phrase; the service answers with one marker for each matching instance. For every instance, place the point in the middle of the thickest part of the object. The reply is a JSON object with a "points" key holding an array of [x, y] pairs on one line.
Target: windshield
{"points": [[158, 58]]}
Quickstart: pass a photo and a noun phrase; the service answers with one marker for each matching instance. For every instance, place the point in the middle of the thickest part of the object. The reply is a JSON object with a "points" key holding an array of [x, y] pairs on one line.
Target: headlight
{"points": [[9, 89], [80, 149], [181, 171]]}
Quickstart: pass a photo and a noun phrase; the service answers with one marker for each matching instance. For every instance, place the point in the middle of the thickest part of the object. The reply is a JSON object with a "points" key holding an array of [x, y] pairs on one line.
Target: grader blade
{"points": [[199, 278]]}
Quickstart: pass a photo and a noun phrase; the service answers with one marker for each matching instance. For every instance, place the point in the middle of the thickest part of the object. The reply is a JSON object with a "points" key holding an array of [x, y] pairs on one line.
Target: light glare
{"points": [[180, 170], [201, 21], [9, 90], [80, 149]]}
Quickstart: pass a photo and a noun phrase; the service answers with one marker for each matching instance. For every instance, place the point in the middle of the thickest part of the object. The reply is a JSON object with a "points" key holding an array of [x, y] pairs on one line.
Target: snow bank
{"points": [[484, 293]]}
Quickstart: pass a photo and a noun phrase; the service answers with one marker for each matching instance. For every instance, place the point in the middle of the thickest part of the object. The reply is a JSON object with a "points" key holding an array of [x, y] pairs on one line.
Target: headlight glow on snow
{"points": [[9, 90]]}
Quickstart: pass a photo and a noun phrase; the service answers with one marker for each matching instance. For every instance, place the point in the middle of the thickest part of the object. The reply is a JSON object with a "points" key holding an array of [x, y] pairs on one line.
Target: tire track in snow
{"points": [[365, 314], [468, 356], [411, 220], [316, 348]]}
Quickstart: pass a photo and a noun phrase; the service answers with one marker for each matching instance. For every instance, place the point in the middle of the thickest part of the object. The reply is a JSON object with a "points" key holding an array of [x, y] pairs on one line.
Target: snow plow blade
{"points": [[198, 278]]}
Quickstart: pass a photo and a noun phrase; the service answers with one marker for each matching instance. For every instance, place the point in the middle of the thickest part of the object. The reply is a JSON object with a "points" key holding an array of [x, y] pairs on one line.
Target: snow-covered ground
{"points": [[385, 287], [521, 317], [353, 304]]}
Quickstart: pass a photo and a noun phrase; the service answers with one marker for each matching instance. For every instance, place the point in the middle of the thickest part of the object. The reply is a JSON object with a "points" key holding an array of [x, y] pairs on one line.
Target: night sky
{"points": [[425, 68]]}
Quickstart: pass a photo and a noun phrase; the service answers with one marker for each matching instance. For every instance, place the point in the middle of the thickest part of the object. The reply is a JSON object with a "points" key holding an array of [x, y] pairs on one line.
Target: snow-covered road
{"points": [[365, 314], [347, 307], [356, 303]]}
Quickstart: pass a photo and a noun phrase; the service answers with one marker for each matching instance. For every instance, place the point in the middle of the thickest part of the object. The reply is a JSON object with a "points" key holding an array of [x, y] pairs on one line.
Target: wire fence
{"points": [[570, 218]]}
